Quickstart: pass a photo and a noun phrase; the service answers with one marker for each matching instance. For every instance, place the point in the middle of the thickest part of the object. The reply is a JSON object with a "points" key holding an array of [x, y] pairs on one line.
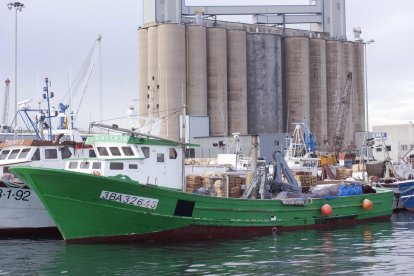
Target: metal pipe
{"points": [[18, 7], [366, 81]]}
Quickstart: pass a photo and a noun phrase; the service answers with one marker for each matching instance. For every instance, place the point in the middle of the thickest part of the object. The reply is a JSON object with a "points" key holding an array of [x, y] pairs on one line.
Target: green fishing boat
{"points": [[103, 207]]}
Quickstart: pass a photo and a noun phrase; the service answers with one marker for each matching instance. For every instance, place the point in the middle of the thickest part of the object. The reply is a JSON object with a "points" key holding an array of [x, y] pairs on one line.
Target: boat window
{"points": [[36, 155], [66, 154], [84, 165], [4, 154], [24, 153], [190, 153], [116, 166], [73, 165], [160, 157], [127, 151], [96, 165], [133, 166], [173, 153], [146, 151], [92, 153], [115, 151], [50, 154], [102, 151], [14, 154]]}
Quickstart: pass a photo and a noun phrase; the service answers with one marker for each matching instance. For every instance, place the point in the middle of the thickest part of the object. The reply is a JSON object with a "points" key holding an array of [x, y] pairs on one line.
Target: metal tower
{"points": [[6, 104]]}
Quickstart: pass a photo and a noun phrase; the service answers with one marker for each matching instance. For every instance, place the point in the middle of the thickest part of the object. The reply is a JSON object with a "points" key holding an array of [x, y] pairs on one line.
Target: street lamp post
{"points": [[18, 7], [366, 81]]}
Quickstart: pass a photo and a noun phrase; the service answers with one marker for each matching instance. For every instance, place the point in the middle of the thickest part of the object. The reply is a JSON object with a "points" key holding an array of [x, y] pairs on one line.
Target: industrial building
{"points": [[249, 78], [395, 142]]}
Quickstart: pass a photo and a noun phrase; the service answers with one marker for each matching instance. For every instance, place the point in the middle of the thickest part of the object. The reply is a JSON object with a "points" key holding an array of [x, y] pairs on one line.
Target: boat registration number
{"points": [[145, 202], [16, 194]]}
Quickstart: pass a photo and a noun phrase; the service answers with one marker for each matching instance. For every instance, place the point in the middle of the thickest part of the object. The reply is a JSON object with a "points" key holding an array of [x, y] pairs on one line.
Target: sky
{"points": [[55, 37]]}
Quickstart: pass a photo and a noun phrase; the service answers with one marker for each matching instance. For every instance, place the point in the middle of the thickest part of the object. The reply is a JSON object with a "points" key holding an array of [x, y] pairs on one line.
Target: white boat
{"points": [[21, 212], [298, 156]]}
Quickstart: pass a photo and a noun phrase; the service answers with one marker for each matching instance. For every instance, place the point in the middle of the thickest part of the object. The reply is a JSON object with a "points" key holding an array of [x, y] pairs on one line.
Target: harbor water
{"points": [[382, 248]]}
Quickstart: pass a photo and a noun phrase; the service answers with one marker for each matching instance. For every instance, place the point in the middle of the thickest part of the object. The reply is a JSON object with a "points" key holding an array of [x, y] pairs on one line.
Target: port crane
{"points": [[344, 103], [81, 82]]}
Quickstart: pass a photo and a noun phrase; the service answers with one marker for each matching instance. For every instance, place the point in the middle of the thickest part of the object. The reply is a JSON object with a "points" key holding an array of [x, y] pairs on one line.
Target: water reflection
{"points": [[363, 249]]}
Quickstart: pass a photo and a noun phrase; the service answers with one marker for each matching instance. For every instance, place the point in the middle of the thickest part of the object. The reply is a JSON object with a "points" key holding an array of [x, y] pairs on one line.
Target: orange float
{"points": [[367, 204], [326, 210]]}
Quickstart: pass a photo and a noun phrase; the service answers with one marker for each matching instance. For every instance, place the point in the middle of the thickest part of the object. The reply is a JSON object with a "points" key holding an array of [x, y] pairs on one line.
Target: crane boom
{"points": [[88, 73], [345, 101], [6, 104], [81, 81]]}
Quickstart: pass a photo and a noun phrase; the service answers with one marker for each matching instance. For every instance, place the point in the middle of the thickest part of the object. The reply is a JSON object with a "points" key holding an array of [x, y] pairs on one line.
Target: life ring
{"points": [[95, 172]]}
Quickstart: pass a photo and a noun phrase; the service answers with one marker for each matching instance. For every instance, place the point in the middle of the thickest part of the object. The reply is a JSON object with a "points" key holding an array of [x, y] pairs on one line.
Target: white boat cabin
{"points": [[148, 161], [297, 156], [38, 153]]}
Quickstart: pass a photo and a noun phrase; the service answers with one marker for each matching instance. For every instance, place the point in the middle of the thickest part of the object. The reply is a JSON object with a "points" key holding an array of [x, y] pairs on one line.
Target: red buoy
{"points": [[326, 210], [367, 204]]}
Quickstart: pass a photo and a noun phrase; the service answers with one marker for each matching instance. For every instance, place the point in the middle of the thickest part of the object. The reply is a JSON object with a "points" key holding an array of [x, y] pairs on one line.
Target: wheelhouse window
{"points": [[96, 165], [92, 153], [127, 151], [51, 154], [190, 153], [36, 155], [14, 153], [173, 153], [66, 154], [84, 165], [24, 153], [146, 151], [4, 154], [160, 157], [115, 151], [133, 166], [102, 151], [73, 165], [116, 166]]}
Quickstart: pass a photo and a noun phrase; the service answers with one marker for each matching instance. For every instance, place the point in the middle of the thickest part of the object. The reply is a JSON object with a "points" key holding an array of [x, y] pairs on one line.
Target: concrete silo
{"points": [[264, 83], [217, 81], [143, 71], [359, 87], [152, 75], [297, 80], [317, 85], [335, 77], [348, 55], [172, 68], [197, 70], [237, 81]]}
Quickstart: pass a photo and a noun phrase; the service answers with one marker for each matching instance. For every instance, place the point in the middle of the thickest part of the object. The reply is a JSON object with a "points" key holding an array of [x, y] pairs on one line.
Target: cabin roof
{"points": [[34, 143], [124, 139]]}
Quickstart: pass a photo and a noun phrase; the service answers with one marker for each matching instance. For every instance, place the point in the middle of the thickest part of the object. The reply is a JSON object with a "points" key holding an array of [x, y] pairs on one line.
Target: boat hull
{"points": [[403, 194], [88, 208], [406, 189], [23, 214]]}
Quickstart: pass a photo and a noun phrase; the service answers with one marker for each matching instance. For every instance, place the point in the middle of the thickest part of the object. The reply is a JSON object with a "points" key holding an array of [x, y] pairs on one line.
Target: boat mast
{"points": [[47, 97], [183, 134]]}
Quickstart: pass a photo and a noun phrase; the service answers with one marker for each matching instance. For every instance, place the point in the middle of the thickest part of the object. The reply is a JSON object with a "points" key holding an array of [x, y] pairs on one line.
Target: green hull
{"points": [[88, 208]]}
